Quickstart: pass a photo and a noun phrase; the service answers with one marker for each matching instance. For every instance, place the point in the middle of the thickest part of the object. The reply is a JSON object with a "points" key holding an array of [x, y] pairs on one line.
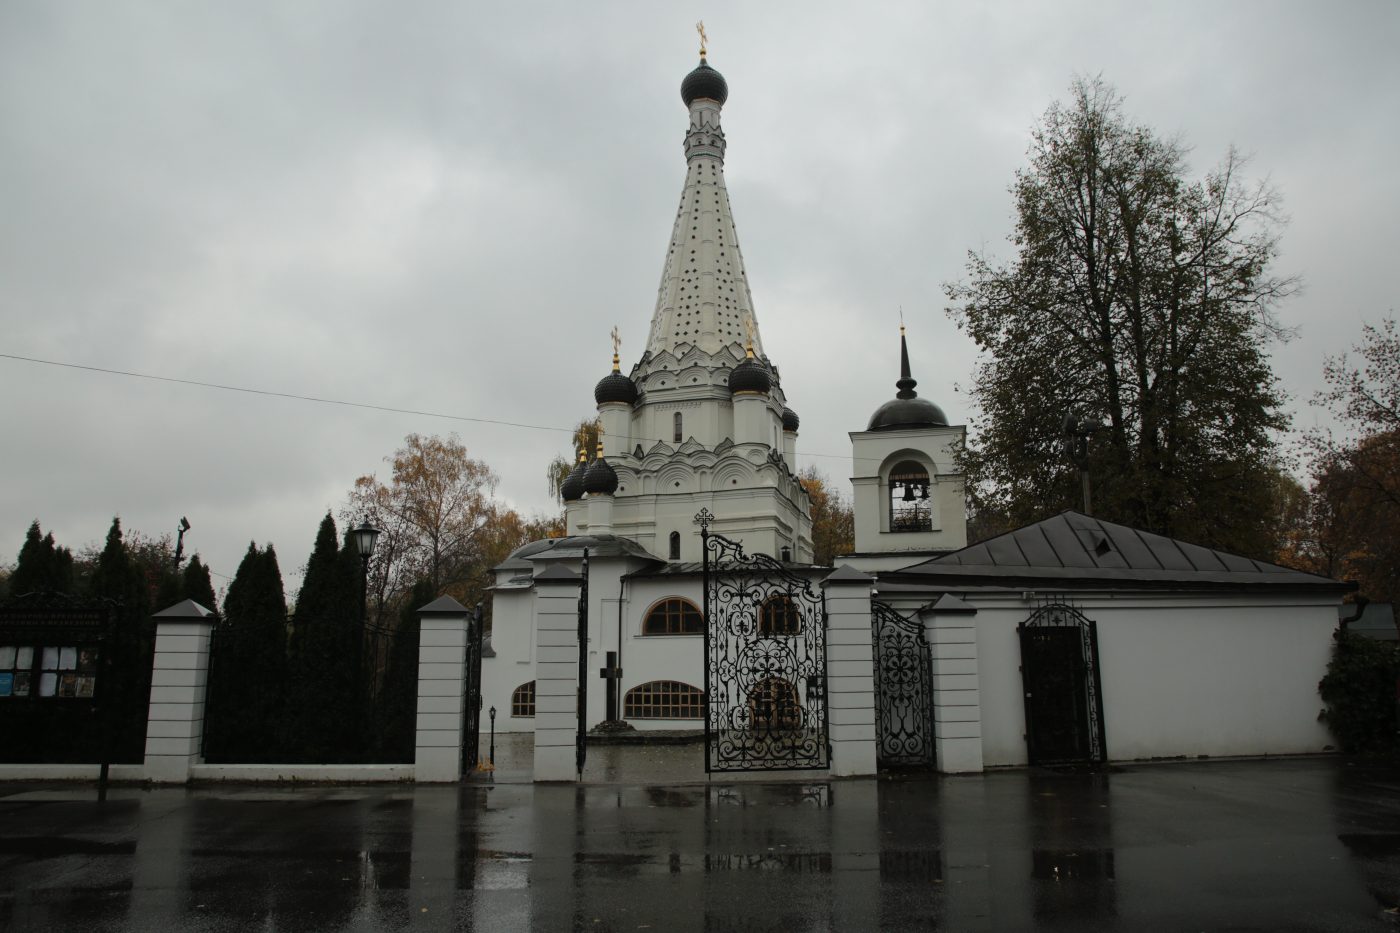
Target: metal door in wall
{"points": [[765, 662], [1063, 694], [903, 690]]}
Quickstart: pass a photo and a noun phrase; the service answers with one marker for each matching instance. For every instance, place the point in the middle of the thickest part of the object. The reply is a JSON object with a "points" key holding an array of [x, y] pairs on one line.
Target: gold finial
{"points": [[600, 449], [583, 455], [704, 40], [901, 320], [617, 345], [748, 326]]}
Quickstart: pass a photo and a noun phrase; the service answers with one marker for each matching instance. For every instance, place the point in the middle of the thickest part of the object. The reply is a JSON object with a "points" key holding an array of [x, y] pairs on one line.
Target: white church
{"points": [[1073, 639]]}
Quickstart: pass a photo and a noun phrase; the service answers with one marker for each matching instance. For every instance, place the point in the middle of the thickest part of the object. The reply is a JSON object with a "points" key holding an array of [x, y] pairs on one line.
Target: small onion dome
{"points": [[601, 478], [615, 387], [572, 487], [906, 409], [705, 82], [750, 376], [790, 420]]}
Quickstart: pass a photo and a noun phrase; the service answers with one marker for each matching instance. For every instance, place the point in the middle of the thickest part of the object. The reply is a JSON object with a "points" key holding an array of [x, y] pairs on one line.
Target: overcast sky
{"points": [[445, 207]]}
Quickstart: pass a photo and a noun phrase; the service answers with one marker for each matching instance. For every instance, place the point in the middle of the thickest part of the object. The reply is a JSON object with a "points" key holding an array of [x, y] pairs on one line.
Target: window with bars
{"points": [[664, 699], [522, 701], [673, 616], [676, 426]]}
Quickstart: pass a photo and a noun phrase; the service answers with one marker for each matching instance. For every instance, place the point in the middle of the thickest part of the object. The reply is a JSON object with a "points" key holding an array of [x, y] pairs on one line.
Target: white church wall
{"points": [[648, 658], [1181, 676], [512, 638]]}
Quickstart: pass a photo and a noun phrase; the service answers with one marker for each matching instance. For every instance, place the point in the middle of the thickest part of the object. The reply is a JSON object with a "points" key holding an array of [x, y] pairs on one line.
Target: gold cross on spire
{"points": [[700, 28], [748, 326], [617, 345], [901, 320]]}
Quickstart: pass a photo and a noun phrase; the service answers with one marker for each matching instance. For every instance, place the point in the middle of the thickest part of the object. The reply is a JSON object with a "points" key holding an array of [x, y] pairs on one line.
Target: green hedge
{"points": [[1359, 690]]}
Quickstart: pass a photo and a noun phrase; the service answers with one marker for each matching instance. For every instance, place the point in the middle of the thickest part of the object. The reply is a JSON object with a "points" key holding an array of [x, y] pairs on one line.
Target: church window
{"points": [[522, 701], [673, 616], [910, 508], [675, 545], [779, 615], [676, 425], [664, 699]]}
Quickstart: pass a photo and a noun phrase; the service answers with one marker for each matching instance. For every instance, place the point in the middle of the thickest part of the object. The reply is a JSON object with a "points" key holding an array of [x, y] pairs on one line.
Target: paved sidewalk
{"points": [[1268, 845]]}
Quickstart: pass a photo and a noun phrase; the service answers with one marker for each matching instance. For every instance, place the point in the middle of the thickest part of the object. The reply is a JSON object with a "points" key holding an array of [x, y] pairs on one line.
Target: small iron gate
{"points": [[1063, 692], [471, 690], [765, 662], [903, 691]]}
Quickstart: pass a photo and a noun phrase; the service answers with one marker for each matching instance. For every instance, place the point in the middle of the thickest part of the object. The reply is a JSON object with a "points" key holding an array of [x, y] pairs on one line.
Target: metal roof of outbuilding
{"points": [[1076, 548]]}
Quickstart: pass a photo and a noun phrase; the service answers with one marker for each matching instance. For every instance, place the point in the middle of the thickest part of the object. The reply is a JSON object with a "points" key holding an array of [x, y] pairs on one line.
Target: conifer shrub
{"points": [[1359, 689]]}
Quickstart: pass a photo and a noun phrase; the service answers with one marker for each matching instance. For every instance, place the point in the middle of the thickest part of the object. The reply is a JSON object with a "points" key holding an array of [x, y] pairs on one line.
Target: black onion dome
{"points": [[704, 81], [900, 413], [790, 420], [572, 487], [615, 387], [750, 376], [601, 478]]}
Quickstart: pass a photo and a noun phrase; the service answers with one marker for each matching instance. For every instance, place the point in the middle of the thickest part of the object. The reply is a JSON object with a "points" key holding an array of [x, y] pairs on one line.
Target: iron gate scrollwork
{"points": [[1063, 690], [765, 662], [903, 690]]}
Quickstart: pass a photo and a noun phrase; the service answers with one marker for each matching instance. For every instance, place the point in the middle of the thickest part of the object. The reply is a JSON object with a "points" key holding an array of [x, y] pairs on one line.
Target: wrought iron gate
{"points": [[471, 689], [765, 662], [1063, 693], [903, 691]]}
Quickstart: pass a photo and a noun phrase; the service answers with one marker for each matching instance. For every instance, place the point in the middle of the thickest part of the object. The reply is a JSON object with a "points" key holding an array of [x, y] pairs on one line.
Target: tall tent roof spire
{"points": [[703, 299]]}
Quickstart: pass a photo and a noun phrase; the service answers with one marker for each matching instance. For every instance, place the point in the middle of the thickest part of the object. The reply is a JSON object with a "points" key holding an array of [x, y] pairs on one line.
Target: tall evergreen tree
{"points": [[196, 585], [126, 683], [325, 689], [43, 566], [248, 664]]}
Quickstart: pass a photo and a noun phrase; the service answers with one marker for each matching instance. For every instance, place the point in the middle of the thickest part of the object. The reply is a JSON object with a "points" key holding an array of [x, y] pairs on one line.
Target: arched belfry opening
{"points": [[910, 506]]}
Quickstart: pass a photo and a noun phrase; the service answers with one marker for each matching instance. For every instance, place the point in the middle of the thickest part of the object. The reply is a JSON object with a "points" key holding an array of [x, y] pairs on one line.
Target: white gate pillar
{"points": [[179, 686], [950, 626], [556, 673], [850, 672], [442, 668]]}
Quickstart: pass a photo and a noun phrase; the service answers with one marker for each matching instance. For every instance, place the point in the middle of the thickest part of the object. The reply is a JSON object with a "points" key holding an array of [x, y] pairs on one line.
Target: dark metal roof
{"points": [[1074, 547], [572, 547]]}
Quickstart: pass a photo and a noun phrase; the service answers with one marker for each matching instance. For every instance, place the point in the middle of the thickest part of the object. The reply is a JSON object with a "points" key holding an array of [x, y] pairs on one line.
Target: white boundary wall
{"points": [[1182, 675]]}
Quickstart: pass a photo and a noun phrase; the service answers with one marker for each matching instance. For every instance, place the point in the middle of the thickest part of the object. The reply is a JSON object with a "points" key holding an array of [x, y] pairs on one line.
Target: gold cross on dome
{"points": [[700, 28], [617, 341]]}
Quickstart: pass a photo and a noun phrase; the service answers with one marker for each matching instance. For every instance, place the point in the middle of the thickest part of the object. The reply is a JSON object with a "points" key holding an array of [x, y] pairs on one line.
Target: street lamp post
{"points": [[364, 537]]}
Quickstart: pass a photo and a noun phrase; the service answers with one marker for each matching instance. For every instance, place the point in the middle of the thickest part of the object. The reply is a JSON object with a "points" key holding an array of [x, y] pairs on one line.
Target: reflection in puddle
{"points": [[1075, 883]]}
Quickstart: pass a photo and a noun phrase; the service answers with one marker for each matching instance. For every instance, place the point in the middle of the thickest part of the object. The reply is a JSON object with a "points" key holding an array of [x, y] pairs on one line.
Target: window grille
{"points": [[673, 616], [522, 701], [664, 699]]}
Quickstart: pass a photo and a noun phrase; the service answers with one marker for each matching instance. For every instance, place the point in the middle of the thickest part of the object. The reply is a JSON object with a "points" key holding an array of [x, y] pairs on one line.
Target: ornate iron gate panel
{"points": [[765, 662], [1063, 693], [903, 691]]}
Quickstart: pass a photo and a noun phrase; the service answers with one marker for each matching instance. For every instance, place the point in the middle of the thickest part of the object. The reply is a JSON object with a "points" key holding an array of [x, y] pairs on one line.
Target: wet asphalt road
{"points": [[1278, 845]]}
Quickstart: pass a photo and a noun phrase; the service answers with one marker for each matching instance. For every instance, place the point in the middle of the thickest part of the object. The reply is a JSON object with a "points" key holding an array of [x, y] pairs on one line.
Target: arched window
{"points": [[779, 615], [673, 616], [675, 545], [664, 699], [676, 425], [522, 701], [910, 509]]}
